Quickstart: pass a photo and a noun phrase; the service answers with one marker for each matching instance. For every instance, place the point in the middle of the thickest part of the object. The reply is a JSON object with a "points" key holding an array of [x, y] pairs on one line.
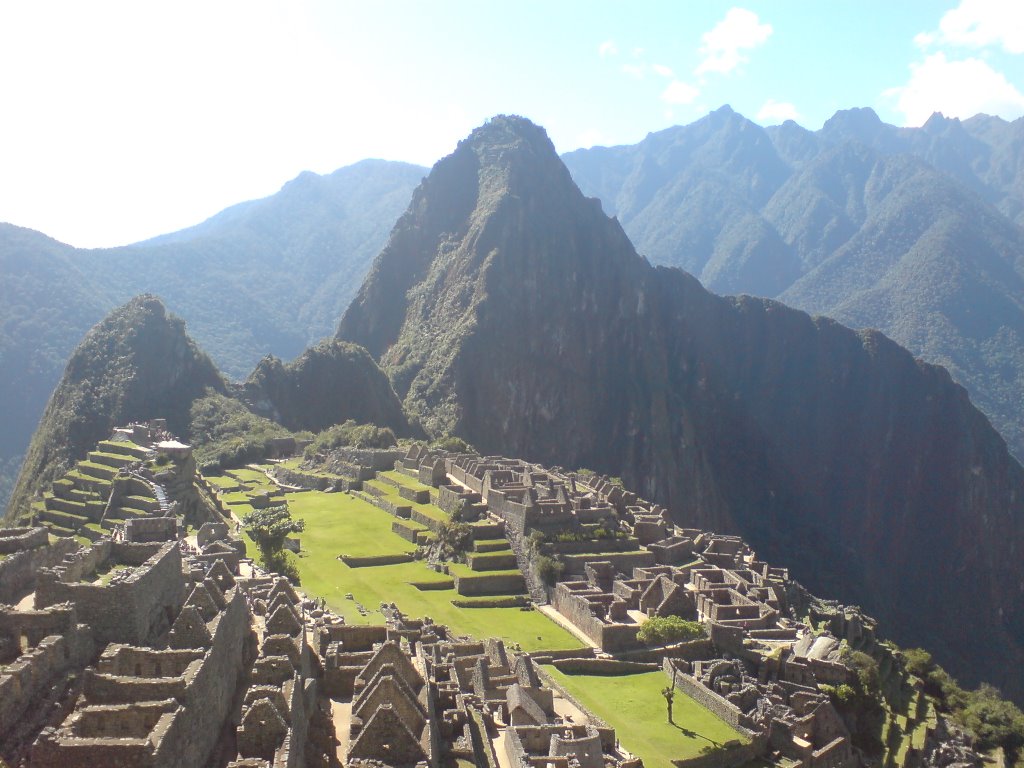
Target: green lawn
{"points": [[337, 523], [634, 706]]}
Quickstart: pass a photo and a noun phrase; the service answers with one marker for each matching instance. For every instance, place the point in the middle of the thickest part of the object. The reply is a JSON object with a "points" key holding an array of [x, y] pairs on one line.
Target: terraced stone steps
{"points": [[100, 471], [124, 448], [115, 460]]}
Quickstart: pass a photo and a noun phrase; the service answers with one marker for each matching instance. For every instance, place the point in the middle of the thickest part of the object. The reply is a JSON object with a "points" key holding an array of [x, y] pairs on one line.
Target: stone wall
{"points": [[195, 730], [132, 611], [728, 756], [18, 571], [21, 539], [495, 584], [708, 699]]}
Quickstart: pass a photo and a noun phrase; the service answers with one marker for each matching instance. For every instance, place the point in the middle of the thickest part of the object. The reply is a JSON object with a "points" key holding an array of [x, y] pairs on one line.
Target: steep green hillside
{"points": [[136, 364]]}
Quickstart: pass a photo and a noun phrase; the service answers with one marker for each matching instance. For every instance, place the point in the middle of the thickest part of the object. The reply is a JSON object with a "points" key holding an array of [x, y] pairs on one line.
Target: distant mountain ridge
{"points": [[268, 276], [914, 231], [509, 310]]}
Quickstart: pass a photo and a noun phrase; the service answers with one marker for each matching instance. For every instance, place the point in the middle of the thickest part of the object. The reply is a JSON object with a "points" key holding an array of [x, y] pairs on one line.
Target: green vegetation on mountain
{"points": [[508, 310], [328, 384], [914, 231], [225, 433], [352, 435], [136, 364]]}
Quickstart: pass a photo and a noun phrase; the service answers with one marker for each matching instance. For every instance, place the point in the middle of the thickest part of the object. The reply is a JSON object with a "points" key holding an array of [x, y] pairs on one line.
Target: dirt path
{"points": [[561, 621], [341, 715]]}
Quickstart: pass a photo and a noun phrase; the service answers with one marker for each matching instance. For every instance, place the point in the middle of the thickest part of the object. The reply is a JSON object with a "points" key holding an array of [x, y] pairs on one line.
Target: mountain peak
{"points": [[137, 364]]}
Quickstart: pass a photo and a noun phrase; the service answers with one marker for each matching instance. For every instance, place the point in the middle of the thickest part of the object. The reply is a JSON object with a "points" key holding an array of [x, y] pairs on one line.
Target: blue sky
{"points": [[122, 120]]}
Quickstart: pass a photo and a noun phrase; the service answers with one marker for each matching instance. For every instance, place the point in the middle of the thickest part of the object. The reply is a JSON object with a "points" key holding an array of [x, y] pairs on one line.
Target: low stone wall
{"points": [[302, 479], [603, 666], [503, 601], [414, 495], [623, 562], [708, 699], [366, 562], [490, 561], [729, 755], [487, 531], [595, 548], [489, 584], [20, 539], [688, 651], [396, 510], [406, 531], [422, 519], [18, 571]]}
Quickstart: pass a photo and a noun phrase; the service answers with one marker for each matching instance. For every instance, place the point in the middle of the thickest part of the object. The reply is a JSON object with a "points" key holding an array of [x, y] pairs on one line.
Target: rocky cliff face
{"points": [[137, 364], [509, 310], [326, 385]]}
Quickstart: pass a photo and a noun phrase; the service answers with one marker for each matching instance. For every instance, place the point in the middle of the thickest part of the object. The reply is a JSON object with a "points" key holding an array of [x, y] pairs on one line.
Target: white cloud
{"points": [[960, 88], [725, 45], [636, 70], [662, 70], [775, 112], [679, 92], [608, 48], [980, 24]]}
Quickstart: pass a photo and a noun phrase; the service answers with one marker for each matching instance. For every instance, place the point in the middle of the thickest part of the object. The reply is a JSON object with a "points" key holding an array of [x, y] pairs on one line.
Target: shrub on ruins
{"points": [[224, 433], [269, 528], [994, 721], [662, 630], [452, 444], [549, 569], [352, 435], [453, 540]]}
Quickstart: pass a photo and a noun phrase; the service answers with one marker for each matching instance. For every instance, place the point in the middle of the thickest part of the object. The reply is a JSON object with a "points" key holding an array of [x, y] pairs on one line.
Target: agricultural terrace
{"points": [[341, 524]]}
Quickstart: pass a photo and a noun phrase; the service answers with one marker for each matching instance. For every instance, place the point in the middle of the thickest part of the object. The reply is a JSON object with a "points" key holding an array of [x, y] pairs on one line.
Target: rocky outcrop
{"points": [[509, 310]]}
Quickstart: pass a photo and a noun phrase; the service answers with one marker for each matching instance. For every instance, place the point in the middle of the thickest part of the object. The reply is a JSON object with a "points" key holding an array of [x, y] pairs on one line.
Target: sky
{"points": [[120, 121]]}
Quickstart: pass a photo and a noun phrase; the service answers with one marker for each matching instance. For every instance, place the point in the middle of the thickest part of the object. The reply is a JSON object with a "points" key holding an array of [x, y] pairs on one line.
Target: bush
{"points": [[549, 569], [453, 540], [662, 630], [352, 435], [452, 444]]}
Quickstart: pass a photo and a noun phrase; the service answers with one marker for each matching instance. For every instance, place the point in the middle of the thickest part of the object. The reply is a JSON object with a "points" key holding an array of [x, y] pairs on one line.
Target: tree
{"points": [[268, 528], [670, 694]]}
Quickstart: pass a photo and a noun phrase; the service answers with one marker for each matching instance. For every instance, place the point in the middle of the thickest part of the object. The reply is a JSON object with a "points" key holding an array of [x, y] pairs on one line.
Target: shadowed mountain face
{"points": [[137, 364], [508, 309], [264, 277], [915, 231]]}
